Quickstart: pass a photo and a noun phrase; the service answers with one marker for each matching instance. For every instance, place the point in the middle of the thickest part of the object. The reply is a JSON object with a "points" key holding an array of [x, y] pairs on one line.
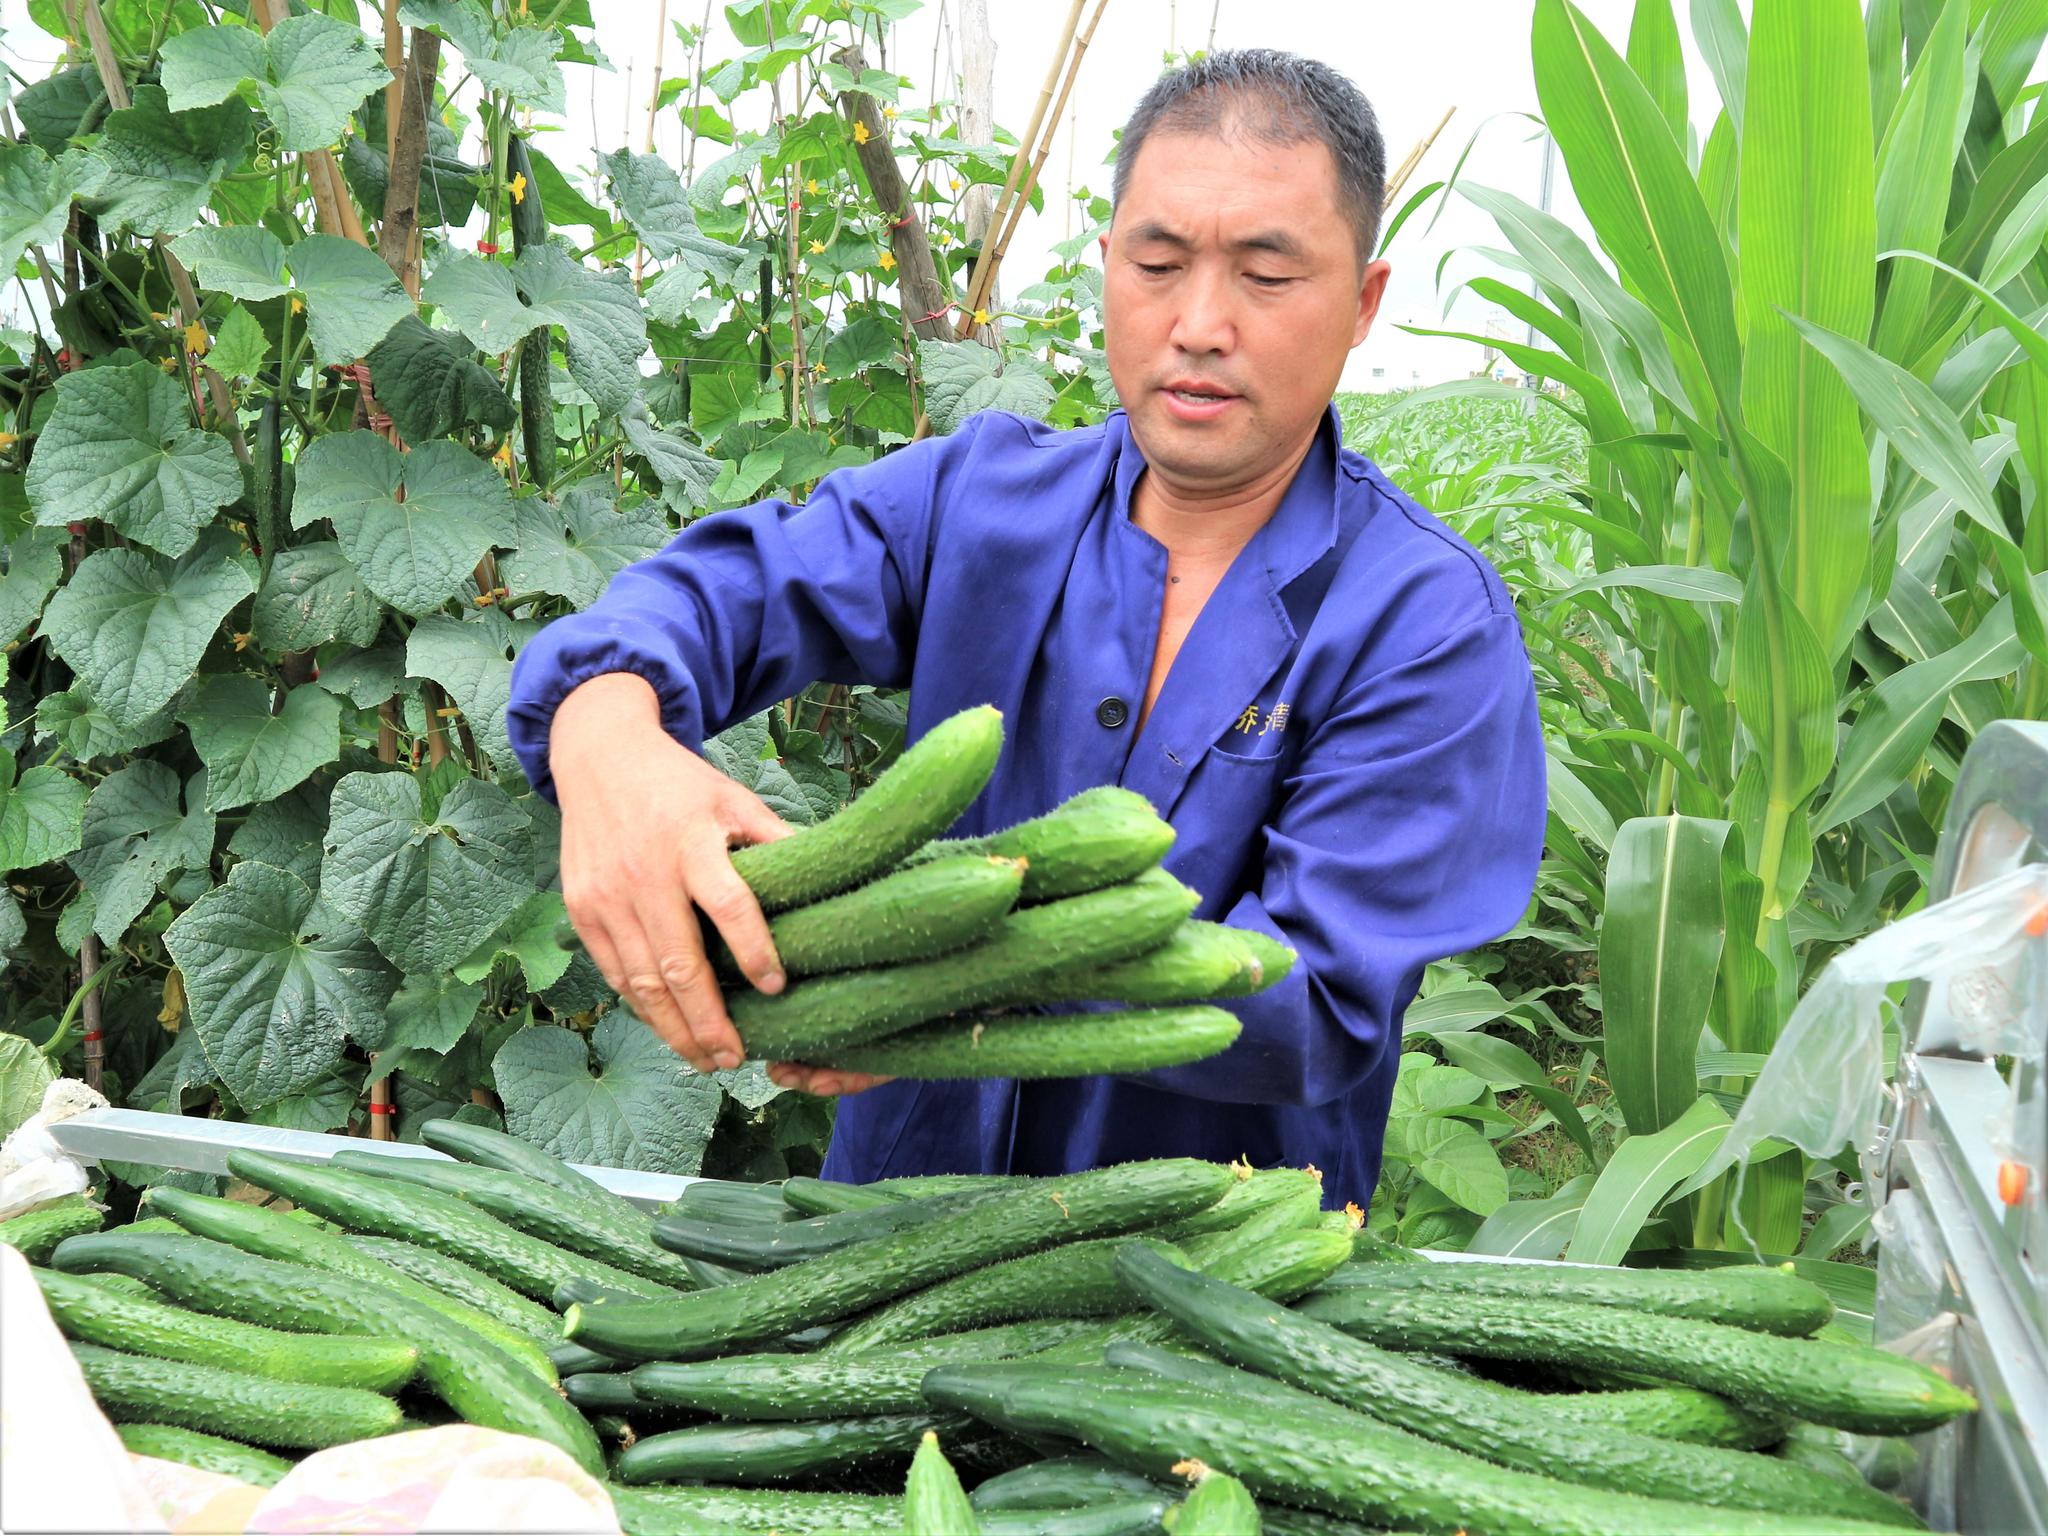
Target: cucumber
{"points": [[1255, 1192], [1099, 837], [1670, 1413], [539, 1210], [1847, 1386], [678, 1511], [1282, 1521], [1062, 1482], [827, 1197], [387, 1207], [209, 1453], [576, 1290], [473, 1375], [536, 401], [915, 799], [611, 1392], [1764, 1299], [1316, 1454], [1218, 1505], [1111, 1517], [1298, 1208], [146, 1325], [830, 1013], [1377, 1250], [573, 1359], [760, 1246], [273, 1235], [463, 1283], [922, 1186], [1819, 1450], [1201, 960], [38, 1230], [912, 914], [233, 1403], [934, 1503], [490, 1148], [751, 1454], [1250, 1332], [1271, 959], [826, 1386], [1073, 1280], [1095, 1204], [732, 1203], [1029, 1045]]}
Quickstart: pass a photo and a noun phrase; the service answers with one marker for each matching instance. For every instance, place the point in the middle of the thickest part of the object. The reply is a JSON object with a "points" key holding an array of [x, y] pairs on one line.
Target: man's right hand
{"points": [[647, 832]]}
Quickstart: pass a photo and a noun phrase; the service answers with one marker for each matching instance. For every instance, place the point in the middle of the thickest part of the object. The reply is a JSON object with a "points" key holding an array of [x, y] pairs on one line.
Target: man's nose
{"points": [[1205, 320]]}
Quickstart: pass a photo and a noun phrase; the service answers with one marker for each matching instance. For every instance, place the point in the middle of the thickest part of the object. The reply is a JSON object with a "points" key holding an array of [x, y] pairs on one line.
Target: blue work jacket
{"points": [[1347, 747]]}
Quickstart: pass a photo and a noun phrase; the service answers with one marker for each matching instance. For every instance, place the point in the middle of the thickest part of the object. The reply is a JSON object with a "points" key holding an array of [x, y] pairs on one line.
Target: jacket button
{"points": [[1112, 712]]}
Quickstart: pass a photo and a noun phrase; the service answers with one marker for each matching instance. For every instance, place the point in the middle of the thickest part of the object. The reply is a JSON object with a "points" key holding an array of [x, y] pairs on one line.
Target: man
{"points": [[1204, 599]]}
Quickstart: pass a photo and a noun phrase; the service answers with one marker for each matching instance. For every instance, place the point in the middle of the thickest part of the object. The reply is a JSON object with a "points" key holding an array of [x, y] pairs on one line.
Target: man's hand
{"points": [[822, 1081], [647, 829]]}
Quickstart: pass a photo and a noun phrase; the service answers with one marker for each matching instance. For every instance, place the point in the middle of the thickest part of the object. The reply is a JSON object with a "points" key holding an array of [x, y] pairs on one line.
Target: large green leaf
{"points": [[134, 626], [472, 659], [1914, 169], [275, 986], [36, 194], [1658, 59], [1718, 28], [1533, 1229], [1641, 1172], [352, 297], [426, 889], [161, 168], [415, 552], [245, 260], [686, 472], [252, 754], [520, 61], [286, 832], [120, 446], [432, 384], [528, 937], [1455, 1159], [311, 596], [598, 312], [650, 194], [574, 545], [1660, 947], [136, 832], [24, 1073], [1809, 251], [310, 73], [35, 564], [428, 1013], [77, 722], [40, 813], [962, 377], [624, 1101], [1503, 1064]]}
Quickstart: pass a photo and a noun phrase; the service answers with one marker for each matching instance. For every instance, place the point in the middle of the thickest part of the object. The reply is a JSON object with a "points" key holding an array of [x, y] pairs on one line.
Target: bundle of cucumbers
{"points": [[1172, 1346], [911, 955]]}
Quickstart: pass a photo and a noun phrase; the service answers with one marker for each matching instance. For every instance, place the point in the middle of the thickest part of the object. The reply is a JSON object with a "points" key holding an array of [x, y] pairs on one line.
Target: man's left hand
{"points": [[822, 1081]]}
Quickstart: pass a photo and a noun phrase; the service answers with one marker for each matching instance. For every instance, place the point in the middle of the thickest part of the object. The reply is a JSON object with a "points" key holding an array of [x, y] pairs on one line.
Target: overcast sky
{"points": [[1413, 61]]}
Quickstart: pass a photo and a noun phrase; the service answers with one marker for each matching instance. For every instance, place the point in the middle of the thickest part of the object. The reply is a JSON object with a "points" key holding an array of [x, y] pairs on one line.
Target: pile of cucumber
{"points": [[911, 955], [1165, 1347]]}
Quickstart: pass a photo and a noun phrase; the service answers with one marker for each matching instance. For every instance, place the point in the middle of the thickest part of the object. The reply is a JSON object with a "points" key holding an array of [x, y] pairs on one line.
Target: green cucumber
{"points": [[912, 914], [759, 1246], [1297, 1208], [733, 1203], [577, 1290], [1279, 1520], [827, 1386], [915, 799], [209, 1453], [464, 1283], [489, 1148], [680, 1511], [1271, 959], [473, 1375], [1094, 1204], [828, 1197], [1110, 1517], [1073, 1280], [536, 402], [1671, 1413], [828, 1014], [233, 1403], [1313, 1453], [388, 1207], [934, 1503], [1256, 1191], [38, 1230], [1099, 837], [922, 1186], [1218, 1505], [1848, 1386], [1030, 1045], [1765, 1299], [1251, 1332], [539, 1210], [274, 1235], [146, 1325], [573, 1359], [611, 1392], [1062, 1482], [750, 1454], [1201, 960]]}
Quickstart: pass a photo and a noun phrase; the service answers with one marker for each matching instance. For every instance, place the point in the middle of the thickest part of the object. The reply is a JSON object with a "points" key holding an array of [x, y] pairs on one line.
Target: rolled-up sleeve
{"points": [[1410, 831], [751, 605]]}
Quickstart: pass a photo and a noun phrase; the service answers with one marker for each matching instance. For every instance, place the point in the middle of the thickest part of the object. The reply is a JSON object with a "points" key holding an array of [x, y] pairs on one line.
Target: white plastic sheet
{"points": [[32, 1166]]}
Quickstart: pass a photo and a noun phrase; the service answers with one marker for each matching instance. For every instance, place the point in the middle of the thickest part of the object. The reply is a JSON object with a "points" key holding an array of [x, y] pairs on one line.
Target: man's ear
{"points": [[1103, 241], [1372, 287]]}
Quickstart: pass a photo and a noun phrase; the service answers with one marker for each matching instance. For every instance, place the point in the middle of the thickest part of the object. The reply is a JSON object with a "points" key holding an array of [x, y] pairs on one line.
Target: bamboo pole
{"points": [[1407, 167]]}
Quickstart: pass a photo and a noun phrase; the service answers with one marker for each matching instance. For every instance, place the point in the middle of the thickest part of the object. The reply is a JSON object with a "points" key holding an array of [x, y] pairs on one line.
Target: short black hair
{"points": [[1278, 98]]}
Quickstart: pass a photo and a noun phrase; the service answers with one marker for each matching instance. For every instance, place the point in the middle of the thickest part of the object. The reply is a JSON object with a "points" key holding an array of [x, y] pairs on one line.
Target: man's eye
{"points": [[1270, 282], [1153, 271]]}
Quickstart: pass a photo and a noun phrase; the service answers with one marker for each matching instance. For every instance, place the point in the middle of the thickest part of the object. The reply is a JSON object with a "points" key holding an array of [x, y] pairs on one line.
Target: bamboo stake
{"points": [[1407, 167], [647, 136], [1024, 147], [95, 1023], [985, 280], [394, 60], [696, 97]]}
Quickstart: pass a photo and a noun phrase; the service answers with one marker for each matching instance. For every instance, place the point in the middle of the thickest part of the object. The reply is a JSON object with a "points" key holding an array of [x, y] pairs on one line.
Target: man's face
{"points": [[1231, 273]]}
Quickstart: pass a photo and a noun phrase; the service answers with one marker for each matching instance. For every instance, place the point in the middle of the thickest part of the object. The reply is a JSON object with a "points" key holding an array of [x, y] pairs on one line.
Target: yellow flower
{"points": [[504, 454], [889, 113], [158, 316], [888, 262], [195, 339], [298, 304], [518, 185], [956, 183], [945, 237], [860, 133], [169, 365], [817, 247], [242, 640], [818, 368], [811, 186], [981, 317], [9, 439]]}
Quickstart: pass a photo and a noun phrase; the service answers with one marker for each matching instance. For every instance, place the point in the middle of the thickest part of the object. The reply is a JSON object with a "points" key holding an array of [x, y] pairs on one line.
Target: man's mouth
{"points": [[1198, 396]]}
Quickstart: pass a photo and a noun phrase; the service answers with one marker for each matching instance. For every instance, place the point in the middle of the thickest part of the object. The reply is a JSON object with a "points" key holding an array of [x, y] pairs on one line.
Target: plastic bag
{"points": [[1824, 1081], [32, 1166]]}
